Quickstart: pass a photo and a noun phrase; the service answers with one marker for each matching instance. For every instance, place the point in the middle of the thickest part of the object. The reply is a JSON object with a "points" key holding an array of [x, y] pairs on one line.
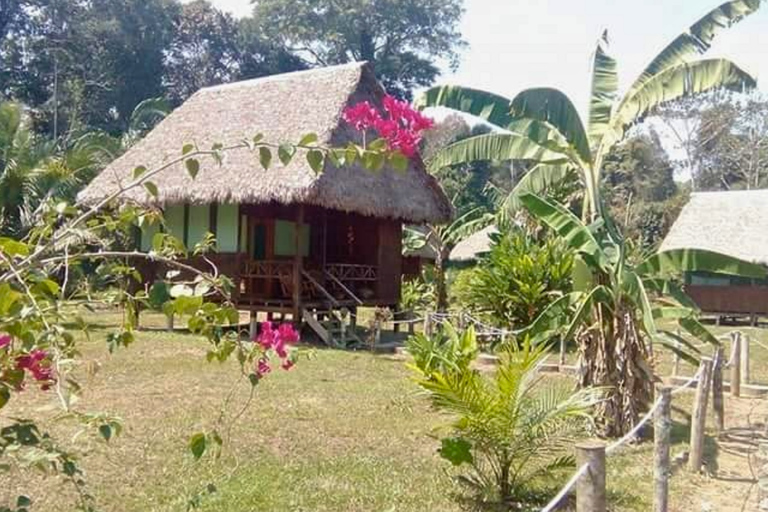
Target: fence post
{"points": [[427, 326], [762, 477], [562, 351], [676, 357], [169, 322], [717, 390], [736, 364], [661, 438], [699, 415], [744, 362], [254, 326], [590, 488]]}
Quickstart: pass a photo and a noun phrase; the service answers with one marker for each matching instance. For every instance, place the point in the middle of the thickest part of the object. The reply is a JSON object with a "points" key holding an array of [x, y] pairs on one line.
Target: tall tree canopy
{"points": [[403, 38]]}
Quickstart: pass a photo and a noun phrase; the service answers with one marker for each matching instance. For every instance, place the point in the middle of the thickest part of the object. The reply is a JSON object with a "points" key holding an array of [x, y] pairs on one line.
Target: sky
{"points": [[515, 44]]}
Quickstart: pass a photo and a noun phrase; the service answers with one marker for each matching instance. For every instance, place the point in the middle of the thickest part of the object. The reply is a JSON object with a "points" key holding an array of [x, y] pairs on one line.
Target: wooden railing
{"points": [[346, 272], [266, 269]]}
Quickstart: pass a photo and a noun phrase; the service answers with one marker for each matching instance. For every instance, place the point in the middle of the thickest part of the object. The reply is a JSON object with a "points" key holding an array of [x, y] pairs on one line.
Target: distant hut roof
{"points": [[473, 246], [733, 223], [283, 108]]}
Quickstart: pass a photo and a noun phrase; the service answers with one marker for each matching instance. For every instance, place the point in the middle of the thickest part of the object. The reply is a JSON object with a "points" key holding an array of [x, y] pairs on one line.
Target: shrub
{"points": [[518, 278], [445, 351], [512, 430]]}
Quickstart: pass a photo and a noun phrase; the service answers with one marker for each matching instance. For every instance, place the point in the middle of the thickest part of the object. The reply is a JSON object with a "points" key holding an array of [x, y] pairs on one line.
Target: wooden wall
{"points": [[736, 299], [390, 260]]}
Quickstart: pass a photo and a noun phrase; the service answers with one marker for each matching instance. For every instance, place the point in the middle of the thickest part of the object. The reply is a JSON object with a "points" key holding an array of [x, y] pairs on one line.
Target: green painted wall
{"points": [[243, 233], [199, 220], [285, 233], [226, 227], [174, 220], [148, 231]]}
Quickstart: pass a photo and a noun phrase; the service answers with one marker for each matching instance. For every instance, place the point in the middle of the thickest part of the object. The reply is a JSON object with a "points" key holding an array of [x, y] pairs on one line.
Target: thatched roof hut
{"points": [[472, 247], [283, 108], [732, 222]]}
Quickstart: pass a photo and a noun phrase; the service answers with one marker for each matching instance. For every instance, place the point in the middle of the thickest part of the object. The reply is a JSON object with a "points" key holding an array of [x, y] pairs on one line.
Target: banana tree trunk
{"points": [[441, 288], [613, 355]]}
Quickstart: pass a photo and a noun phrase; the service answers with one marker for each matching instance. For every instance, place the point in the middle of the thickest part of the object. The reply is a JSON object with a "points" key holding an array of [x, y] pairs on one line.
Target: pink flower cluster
{"points": [[279, 341], [37, 363], [401, 128]]}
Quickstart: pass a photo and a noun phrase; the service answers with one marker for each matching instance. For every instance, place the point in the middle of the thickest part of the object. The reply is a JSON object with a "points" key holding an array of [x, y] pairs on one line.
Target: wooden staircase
{"points": [[332, 330]]}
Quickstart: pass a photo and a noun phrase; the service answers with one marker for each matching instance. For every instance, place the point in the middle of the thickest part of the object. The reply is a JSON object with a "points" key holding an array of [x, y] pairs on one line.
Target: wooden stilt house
{"points": [[293, 241]]}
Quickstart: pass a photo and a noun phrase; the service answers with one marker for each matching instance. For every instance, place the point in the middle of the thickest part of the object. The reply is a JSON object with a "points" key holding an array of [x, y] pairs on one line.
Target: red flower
{"points": [[287, 364], [37, 363], [5, 341], [401, 128], [262, 367]]}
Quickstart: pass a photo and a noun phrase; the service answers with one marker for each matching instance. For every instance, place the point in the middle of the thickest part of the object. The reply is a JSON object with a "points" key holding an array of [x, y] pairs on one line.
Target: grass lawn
{"points": [[345, 431]]}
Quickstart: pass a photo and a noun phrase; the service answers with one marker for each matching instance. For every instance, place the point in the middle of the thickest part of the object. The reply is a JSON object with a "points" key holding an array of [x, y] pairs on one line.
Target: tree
{"points": [[403, 38], [613, 311], [639, 189], [441, 239], [543, 125]]}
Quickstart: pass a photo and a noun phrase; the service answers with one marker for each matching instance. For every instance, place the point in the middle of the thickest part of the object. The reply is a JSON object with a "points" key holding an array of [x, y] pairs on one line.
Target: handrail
{"points": [[344, 288], [320, 288]]}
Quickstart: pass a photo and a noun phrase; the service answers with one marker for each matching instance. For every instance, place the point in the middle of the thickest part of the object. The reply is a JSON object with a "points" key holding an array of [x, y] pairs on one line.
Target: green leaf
{"points": [[698, 331], [373, 160], [187, 148], [307, 139], [265, 157], [398, 161], [566, 224], [285, 153], [11, 247], [605, 83], [697, 39], [193, 167], [151, 188], [181, 290], [197, 445], [673, 262], [23, 501], [456, 450], [258, 138], [106, 432], [485, 105], [5, 396], [316, 160], [553, 107], [539, 180], [139, 171], [495, 147], [674, 83]]}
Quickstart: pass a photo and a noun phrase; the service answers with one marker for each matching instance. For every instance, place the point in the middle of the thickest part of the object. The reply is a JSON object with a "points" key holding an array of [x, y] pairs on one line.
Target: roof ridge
{"points": [[282, 76]]}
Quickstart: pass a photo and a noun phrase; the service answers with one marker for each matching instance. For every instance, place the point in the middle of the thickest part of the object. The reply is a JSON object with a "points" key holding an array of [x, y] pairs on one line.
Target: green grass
{"points": [[344, 431]]}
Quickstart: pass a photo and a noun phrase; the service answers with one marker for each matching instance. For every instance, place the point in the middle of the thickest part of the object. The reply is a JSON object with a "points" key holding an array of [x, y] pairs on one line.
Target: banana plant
{"points": [[544, 126], [622, 308], [441, 239]]}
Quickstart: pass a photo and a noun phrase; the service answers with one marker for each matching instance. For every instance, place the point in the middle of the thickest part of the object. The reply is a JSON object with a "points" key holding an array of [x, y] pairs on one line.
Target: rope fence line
{"points": [[554, 502]]}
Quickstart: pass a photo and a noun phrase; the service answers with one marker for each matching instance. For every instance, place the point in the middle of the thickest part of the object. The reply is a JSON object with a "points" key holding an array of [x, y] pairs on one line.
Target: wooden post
{"points": [[590, 488], [427, 325], [736, 364], [762, 476], [676, 357], [661, 440], [717, 390], [411, 325], [169, 322], [744, 362], [395, 320], [562, 352], [297, 265], [254, 326], [699, 415]]}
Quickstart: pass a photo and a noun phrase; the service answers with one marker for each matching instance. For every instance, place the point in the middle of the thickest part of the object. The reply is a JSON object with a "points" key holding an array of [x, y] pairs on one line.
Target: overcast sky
{"points": [[514, 44]]}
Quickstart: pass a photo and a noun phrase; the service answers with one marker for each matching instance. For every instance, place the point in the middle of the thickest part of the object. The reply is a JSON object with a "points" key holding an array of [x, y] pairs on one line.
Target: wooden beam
{"points": [[297, 265]]}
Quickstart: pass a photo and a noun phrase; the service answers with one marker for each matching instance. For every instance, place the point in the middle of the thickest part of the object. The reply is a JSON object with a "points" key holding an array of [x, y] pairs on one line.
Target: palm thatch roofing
{"points": [[472, 247], [283, 108], [733, 223]]}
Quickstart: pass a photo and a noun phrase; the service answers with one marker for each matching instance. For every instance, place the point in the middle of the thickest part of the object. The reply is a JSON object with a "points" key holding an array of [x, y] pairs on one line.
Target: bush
{"points": [[512, 430], [518, 279], [445, 351]]}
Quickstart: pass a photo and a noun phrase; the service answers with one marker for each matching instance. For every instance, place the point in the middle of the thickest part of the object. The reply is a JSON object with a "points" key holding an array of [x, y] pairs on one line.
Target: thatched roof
{"points": [[733, 223], [283, 108], [473, 246]]}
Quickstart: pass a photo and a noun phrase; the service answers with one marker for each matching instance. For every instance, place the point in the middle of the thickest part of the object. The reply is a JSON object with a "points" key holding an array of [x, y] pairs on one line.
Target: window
{"points": [[285, 238]]}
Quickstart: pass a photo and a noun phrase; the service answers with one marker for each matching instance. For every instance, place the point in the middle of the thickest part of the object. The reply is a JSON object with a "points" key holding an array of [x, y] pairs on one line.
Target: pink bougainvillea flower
{"points": [[401, 128], [5, 341], [37, 363], [266, 337], [263, 368], [287, 364], [288, 334]]}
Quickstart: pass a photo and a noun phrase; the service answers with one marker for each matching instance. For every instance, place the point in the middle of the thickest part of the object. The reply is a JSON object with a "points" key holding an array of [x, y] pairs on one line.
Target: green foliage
{"points": [[510, 432], [445, 351], [416, 294], [518, 279]]}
